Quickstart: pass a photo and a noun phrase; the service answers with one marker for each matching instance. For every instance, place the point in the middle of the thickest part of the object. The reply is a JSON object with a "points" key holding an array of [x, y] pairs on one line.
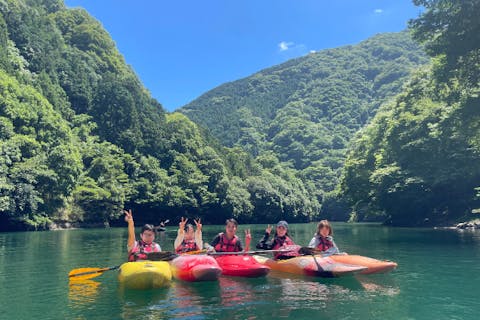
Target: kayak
{"points": [[315, 266], [195, 268], [241, 266], [145, 274], [372, 265]]}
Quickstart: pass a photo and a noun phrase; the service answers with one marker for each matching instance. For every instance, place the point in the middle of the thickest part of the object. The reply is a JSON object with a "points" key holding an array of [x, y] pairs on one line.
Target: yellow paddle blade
{"points": [[87, 273]]}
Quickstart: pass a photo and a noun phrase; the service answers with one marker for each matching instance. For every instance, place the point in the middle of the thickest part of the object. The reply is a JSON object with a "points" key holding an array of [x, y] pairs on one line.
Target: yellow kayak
{"points": [[145, 274]]}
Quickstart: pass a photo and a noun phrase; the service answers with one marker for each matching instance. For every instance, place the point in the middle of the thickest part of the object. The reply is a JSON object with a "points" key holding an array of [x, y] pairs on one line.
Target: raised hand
{"points": [[198, 223], [248, 236], [269, 229], [128, 215], [182, 223]]}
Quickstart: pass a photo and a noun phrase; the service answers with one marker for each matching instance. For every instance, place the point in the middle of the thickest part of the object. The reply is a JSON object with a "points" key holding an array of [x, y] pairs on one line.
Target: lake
{"points": [[438, 278]]}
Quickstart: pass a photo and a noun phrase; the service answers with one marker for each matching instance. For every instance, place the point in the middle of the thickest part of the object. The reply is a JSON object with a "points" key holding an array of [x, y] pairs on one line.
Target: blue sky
{"points": [[183, 48]]}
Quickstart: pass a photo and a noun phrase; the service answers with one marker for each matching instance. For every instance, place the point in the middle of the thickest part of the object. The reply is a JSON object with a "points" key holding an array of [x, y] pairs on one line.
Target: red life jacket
{"points": [[225, 245], [324, 243], [280, 243], [186, 246], [140, 250]]}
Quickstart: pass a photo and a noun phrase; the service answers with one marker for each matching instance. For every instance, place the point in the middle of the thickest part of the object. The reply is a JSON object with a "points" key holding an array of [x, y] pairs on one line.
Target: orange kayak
{"points": [[372, 265], [316, 266]]}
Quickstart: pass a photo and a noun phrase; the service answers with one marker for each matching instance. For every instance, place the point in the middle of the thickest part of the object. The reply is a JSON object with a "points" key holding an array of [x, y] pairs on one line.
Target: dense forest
{"points": [[418, 161], [81, 138], [303, 113]]}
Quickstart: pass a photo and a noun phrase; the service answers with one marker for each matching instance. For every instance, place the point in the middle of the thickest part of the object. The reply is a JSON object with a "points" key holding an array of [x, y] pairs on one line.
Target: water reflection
{"points": [[82, 292], [378, 284], [137, 304], [192, 299]]}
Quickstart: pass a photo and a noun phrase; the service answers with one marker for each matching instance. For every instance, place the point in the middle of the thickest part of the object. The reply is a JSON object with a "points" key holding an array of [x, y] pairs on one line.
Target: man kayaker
{"points": [[138, 250], [228, 241], [281, 240], [188, 239]]}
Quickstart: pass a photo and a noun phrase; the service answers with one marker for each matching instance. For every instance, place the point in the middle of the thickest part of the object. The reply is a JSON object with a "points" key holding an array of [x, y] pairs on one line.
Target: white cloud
{"points": [[378, 11], [284, 46]]}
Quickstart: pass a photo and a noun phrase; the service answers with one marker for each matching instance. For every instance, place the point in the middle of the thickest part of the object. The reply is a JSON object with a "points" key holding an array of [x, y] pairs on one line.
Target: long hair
{"points": [[324, 223]]}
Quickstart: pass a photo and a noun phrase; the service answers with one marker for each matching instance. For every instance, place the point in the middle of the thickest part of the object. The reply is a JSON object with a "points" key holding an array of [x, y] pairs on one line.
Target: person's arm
{"points": [[179, 238], [180, 233], [198, 234], [131, 229], [264, 243], [313, 243], [248, 239]]}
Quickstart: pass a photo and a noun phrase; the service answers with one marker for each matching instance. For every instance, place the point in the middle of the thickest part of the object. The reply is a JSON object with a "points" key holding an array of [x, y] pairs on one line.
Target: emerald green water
{"points": [[438, 278]]}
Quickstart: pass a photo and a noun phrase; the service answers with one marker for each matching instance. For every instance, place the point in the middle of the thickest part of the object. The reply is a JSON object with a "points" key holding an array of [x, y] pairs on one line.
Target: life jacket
{"points": [[186, 246], [324, 243], [141, 249], [225, 245], [284, 242]]}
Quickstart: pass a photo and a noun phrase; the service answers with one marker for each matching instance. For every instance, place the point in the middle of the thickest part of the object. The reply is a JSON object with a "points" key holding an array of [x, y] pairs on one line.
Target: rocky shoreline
{"points": [[470, 225]]}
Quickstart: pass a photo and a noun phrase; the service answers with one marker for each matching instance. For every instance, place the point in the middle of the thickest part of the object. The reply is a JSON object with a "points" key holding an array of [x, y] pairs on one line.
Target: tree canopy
{"points": [[417, 162]]}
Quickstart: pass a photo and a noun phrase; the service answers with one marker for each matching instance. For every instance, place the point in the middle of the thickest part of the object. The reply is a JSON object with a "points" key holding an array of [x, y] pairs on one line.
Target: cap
{"points": [[282, 223]]}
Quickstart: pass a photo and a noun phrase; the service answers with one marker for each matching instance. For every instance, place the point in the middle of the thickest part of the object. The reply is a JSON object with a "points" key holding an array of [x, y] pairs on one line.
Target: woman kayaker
{"points": [[138, 250], [228, 241], [281, 240], [323, 239], [188, 239]]}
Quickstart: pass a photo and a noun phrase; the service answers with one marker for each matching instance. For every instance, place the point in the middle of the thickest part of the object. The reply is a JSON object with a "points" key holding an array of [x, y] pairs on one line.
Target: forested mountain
{"points": [[305, 111], [81, 138], [418, 162]]}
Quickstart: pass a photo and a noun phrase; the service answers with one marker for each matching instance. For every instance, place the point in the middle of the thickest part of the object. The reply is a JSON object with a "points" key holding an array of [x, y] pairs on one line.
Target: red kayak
{"points": [[195, 268], [241, 266]]}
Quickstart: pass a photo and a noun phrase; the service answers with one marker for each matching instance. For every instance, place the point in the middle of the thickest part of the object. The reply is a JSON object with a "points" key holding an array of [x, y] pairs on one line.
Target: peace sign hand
{"points": [[128, 215], [198, 223], [269, 229], [248, 236], [182, 223]]}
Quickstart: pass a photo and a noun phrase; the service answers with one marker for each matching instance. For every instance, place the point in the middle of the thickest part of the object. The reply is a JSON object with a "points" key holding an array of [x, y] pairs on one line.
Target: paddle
{"points": [[247, 252], [312, 251], [88, 273]]}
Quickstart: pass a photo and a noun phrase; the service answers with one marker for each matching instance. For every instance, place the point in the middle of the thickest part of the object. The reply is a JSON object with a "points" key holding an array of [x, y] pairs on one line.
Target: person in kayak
{"points": [[188, 239], [228, 241], [323, 239], [281, 240], [138, 250]]}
